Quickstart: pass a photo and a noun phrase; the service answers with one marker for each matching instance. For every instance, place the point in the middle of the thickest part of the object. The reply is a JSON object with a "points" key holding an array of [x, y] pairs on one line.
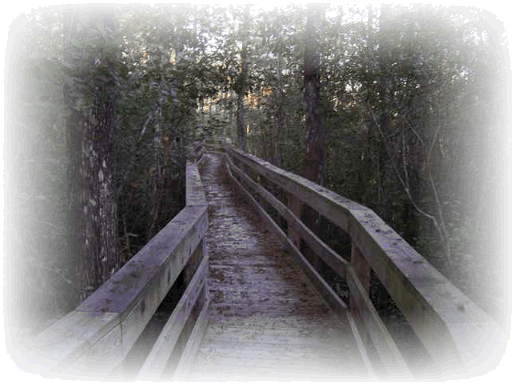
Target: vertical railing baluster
{"points": [[361, 265], [294, 204]]}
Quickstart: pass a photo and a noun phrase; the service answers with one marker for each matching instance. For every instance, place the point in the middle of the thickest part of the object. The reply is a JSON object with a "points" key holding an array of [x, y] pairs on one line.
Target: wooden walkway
{"points": [[266, 320], [263, 319]]}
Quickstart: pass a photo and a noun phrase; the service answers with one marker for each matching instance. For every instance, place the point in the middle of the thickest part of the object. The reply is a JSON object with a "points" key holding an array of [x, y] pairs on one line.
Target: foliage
{"points": [[413, 104]]}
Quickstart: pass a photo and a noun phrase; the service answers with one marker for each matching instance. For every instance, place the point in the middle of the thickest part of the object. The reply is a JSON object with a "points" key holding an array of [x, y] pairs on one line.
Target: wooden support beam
{"points": [[361, 265], [294, 204]]}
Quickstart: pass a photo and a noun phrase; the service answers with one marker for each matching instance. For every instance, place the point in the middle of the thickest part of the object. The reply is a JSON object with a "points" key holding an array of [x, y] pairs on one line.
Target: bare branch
{"points": [[440, 226], [403, 182]]}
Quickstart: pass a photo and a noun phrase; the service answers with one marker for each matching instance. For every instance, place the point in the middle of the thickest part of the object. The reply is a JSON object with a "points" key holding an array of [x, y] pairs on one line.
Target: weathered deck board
{"points": [[266, 319]]}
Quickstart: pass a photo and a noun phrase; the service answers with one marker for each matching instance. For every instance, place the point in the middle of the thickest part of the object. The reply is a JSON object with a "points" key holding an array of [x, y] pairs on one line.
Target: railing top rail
{"points": [[195, 195]]}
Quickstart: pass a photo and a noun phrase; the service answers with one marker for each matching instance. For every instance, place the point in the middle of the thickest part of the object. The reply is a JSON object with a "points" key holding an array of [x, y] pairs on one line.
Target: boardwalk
{"points": [[263, 319], [266, 320]]}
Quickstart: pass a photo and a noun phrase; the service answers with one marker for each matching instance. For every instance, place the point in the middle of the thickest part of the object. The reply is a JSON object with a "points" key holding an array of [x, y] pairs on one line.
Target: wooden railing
{"points": [[458, 335], [93, 340]]}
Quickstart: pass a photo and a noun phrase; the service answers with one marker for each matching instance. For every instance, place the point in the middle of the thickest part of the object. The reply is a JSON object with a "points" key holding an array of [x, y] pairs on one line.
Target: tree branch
{"points": [[439, 226]]}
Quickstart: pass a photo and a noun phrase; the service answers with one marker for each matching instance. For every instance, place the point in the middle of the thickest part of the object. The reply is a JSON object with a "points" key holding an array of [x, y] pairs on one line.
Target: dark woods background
{"points": [[404, 109]]}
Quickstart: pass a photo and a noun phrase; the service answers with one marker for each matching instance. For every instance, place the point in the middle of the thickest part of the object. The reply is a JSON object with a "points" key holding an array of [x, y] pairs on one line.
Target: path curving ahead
{"points": [[267, 322]]}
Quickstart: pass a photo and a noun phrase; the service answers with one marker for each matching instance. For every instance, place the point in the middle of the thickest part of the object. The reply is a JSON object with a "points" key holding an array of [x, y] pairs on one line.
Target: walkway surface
{"points": [[266, 321]]}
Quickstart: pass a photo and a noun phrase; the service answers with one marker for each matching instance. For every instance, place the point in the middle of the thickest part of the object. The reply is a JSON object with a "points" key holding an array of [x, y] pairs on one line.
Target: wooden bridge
{"points": [[221, 293]]}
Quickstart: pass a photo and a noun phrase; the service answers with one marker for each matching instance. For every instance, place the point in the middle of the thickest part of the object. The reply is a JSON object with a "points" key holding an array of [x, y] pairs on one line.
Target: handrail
{"points": [[458, 335], [93, 340]]}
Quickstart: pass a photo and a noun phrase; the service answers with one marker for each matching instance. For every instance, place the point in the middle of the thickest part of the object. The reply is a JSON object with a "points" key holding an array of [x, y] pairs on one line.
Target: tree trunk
{"points": [[242, 88], [91, 128], [279, 113], [231, 113], [314, 147], [157, 182], [384, 84], [242, 82]]}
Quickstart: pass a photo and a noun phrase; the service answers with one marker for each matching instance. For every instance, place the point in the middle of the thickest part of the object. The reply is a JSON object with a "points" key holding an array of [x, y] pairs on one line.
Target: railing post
{"points": [[193, 263], [361, 265], [294, 205]]}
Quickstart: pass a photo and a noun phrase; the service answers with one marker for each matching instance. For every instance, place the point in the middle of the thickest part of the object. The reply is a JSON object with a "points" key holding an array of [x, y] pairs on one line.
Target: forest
{"points": [[403, 109]]}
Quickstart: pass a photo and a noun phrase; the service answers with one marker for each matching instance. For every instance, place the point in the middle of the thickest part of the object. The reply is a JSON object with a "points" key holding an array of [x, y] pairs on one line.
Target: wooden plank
{"points": [[255, 275], [257, 292], [212, 373], [430, 302], [268, 298], [310, 337], [244, 357], [165, 343], [231, 259], [270, 311], [281, 320], [299, 363], [190, 351], [269, 350]]}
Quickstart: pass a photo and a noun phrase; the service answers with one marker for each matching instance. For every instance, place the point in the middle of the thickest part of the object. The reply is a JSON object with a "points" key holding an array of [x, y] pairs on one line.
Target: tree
{"points": [[275, 32], [241, 86], [314, 133], [89, 93]]}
